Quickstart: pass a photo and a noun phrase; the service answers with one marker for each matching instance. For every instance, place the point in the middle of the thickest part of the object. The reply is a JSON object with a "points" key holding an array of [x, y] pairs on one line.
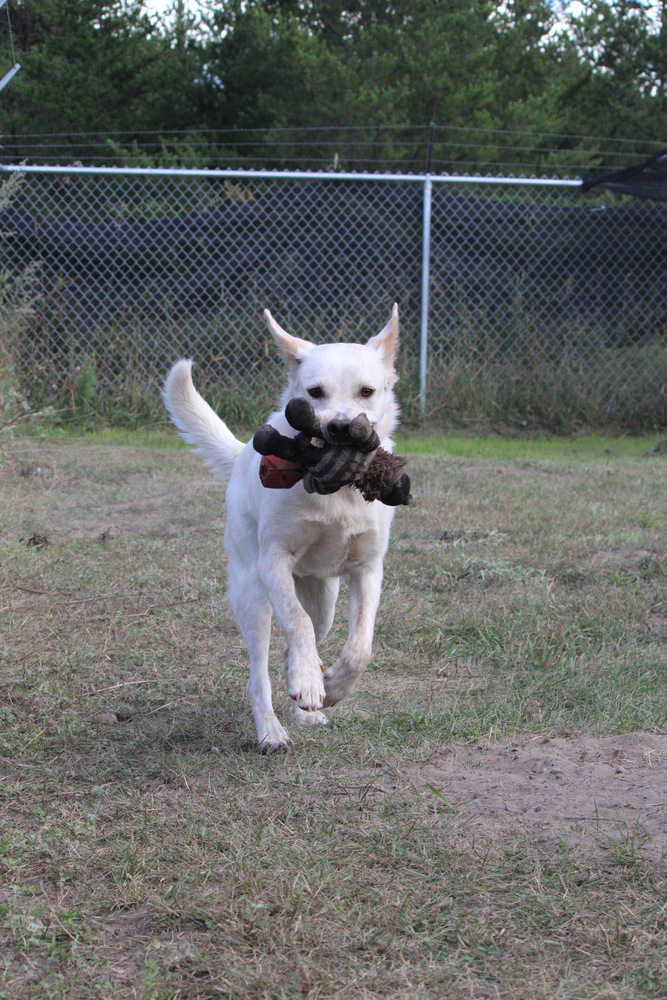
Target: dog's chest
{"points": [[332, 551]]}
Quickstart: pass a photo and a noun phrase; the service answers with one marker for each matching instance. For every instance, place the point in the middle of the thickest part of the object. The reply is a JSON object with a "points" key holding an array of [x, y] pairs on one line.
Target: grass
{"points": [[450, 445], [148, 851], [539, 447], [622, 392]]}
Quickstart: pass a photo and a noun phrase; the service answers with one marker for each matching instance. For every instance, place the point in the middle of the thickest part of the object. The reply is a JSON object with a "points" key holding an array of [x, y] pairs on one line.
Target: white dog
{"points": [[287, 548]]}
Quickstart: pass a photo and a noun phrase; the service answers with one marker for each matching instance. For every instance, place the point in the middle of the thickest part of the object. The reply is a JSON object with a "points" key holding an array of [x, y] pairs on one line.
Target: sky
{"points": [[575, 6], [160, 6]]}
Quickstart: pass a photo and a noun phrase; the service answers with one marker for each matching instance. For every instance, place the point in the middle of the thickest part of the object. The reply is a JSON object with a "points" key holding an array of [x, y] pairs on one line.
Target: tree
{"points": [[505, 83], [619, 90], [335, 63], [98, 66]]}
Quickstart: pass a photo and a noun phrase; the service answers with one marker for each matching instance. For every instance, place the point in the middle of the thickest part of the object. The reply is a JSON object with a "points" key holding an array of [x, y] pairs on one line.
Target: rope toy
{"points": [[358, 461]]}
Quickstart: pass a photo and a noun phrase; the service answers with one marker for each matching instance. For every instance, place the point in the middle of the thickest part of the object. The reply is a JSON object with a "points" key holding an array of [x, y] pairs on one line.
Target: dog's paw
{"points": [[308, 695], [340, 679], [336, 688], [307, 718], [274, 739], [305, 685]]}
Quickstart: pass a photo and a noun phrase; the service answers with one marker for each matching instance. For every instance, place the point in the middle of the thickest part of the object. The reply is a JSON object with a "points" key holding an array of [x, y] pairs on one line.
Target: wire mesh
{"points": [[542, 284], [135, 270]]}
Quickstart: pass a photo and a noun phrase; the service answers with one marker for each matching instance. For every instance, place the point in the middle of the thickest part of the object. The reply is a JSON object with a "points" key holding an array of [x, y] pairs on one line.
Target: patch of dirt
{"points": [[605, 793], [631, 558], [152, 516], [58, 491]]}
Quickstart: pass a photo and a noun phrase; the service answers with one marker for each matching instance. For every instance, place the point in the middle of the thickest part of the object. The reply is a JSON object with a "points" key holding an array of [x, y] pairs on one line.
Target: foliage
{"points": [[18, 300], [84, 386], [523, 83], [98, 65]]}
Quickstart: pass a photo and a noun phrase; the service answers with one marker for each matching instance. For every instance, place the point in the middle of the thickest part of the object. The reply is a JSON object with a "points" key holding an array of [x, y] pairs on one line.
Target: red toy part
{"points": [[279, 474]]}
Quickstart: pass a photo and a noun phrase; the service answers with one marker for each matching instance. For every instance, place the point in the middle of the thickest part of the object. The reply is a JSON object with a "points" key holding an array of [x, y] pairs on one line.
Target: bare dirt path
{"points": [[604, 792]]}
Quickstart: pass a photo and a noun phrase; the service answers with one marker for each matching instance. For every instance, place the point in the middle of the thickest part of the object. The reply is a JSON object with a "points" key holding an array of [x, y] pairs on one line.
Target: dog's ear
{"points": [[386, 341], [291, 349]]}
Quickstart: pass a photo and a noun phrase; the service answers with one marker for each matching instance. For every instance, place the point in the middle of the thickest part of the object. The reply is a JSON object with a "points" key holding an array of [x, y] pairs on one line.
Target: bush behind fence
{"points": [[545, 308]]}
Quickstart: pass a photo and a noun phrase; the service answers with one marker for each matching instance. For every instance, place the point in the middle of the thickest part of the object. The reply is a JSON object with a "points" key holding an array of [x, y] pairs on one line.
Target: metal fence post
{"points": [[426, 263]]}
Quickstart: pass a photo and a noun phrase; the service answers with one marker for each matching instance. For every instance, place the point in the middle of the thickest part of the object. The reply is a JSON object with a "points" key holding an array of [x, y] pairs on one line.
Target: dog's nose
{"points": [[338, 428]]}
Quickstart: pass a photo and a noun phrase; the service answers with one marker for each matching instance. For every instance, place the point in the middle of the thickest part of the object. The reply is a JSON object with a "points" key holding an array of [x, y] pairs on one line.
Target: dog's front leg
{"points": [[303, 666], [364, 599], [253, 614]]}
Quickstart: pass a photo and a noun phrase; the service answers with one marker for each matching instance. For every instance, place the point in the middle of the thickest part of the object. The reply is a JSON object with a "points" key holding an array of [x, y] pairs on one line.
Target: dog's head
{"points": [[343, 380]]}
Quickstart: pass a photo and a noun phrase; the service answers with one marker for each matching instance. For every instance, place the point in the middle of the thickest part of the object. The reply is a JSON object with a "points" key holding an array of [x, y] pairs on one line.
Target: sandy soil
{"points": [[606, 792]]}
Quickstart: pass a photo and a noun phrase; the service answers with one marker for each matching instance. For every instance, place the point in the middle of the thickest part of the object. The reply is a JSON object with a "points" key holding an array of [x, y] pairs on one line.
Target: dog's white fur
{"points": [[287, 549]]}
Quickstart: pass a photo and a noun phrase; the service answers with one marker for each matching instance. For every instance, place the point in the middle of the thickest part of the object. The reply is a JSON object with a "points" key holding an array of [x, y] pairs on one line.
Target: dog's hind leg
{"points": [[364, 598], [253, 614], [318, 597]]}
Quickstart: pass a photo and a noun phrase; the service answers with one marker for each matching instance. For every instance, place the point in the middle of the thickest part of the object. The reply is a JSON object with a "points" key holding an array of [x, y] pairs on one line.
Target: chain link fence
{"points": [[541, 305]]}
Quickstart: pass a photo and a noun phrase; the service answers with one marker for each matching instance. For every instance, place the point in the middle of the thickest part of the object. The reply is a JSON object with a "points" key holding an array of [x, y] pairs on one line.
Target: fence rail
{"points": [[516, 295]]}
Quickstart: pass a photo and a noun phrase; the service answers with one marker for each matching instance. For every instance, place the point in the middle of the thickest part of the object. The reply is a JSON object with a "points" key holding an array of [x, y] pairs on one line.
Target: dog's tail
{"points": [[198, 423]]}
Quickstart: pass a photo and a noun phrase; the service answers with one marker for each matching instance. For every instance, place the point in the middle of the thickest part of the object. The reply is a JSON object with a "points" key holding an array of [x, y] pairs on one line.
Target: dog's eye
{"points": [[367, 392], [315, 392]]}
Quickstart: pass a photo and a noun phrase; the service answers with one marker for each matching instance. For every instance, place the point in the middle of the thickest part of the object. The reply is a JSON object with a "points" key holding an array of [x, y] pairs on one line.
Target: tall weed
{"points": [[19, 299]]}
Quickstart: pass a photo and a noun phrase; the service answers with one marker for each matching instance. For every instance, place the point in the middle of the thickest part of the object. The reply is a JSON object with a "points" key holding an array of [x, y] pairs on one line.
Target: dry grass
{"points": [[147, 850]]}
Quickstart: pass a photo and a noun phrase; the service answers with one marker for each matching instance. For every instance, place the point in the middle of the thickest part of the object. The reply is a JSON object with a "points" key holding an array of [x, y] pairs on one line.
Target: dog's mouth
{"points": [[349, 432], [337, 438], [357, 432]]}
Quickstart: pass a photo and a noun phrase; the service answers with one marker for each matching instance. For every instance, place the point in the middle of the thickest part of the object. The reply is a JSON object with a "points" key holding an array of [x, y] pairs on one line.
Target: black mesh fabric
{"points": [[643, 180]]}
